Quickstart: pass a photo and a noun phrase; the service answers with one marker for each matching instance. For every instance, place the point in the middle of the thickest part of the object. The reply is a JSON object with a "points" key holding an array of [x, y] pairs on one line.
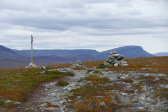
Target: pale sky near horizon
{"points": [[84, 24]]}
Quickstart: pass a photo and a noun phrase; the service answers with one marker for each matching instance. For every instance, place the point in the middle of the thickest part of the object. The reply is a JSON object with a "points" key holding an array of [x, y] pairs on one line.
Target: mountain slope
{"points": [[8, 54], [10, 59], [161, 54], [128, 52]]}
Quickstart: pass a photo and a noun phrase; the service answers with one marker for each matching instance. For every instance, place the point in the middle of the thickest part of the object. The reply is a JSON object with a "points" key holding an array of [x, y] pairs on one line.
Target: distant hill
{"points": [[10, 59], [128, 52], [55, 52], [161, 54], [19, 58], [6, 53]]}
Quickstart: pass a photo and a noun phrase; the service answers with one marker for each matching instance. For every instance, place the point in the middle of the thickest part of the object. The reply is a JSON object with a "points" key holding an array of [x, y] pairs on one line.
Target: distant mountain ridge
{"points": [[11, 59], [56, 52], [20, 58], [6, 53], [161, 54]]}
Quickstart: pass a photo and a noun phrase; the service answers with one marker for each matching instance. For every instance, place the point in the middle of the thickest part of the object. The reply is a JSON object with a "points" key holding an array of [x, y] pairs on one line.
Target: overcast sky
{"points": [[86, 24]]}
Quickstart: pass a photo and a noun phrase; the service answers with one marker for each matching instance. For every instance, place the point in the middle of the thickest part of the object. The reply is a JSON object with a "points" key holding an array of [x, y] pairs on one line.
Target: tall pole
{"points": [[31, 49]]}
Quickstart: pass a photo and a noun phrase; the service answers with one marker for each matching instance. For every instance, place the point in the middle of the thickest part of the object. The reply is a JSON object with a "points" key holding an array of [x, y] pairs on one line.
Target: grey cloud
{"points": [[50, 15], [82, 23]]}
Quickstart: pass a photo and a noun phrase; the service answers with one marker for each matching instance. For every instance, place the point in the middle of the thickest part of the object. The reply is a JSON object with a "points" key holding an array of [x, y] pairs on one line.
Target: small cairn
{"points": [[78, 64], [115, 59]]}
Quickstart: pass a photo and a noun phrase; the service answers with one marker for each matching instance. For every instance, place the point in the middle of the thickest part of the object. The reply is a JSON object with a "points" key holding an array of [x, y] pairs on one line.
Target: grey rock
{"points": [[156, 79], [116, 64], [18, 103], [102, 104], [139, 108], [66, 70]]}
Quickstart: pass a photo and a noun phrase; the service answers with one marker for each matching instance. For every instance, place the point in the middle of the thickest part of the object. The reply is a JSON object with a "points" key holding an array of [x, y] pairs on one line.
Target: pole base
{"points": [[31, 65]]}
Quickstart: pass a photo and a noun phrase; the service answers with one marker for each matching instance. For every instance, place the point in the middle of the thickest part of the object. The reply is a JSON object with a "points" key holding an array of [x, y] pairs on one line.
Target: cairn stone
{"points": [[115, 59]]}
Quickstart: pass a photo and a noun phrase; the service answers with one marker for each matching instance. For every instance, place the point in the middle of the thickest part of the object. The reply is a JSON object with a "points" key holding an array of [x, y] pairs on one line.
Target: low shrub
{"points": [[138, 87], [130, 80], [164, 93], [49, 105], [89, 70], [101, 66], [53, 72], [9, 105], [97, 79], [62, 82], [78, 68], [97, 72], [70, 73]]}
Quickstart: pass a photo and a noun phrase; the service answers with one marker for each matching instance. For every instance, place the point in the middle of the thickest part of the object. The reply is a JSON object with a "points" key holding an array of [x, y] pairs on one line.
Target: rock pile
{"points": [[78, 64], [115, 59]]}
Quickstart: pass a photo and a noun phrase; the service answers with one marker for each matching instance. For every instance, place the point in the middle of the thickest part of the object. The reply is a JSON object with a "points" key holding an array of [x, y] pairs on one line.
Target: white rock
{"points": [[122, 77], [102, 104], [124, 65], [156, 79], [17, 103], [7, 101], [31, 65], [116, 64]]}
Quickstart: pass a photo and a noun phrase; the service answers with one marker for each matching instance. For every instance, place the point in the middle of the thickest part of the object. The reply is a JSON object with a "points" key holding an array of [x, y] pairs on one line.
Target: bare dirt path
{"points": [[50, 97]]}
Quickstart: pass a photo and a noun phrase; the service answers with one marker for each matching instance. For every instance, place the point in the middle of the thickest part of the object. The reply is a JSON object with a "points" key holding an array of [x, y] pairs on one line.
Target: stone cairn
{"points": [[115, 59], [78, 64]]}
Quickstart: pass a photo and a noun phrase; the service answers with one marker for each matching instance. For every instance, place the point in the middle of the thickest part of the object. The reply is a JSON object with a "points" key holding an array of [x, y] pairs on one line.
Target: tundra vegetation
{"points": [[15, 84], [99, 93]]}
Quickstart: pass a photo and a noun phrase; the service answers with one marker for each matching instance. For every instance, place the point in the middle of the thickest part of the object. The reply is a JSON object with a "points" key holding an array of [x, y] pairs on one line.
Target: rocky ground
{"points": [[136, 92], [50, 97]]}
